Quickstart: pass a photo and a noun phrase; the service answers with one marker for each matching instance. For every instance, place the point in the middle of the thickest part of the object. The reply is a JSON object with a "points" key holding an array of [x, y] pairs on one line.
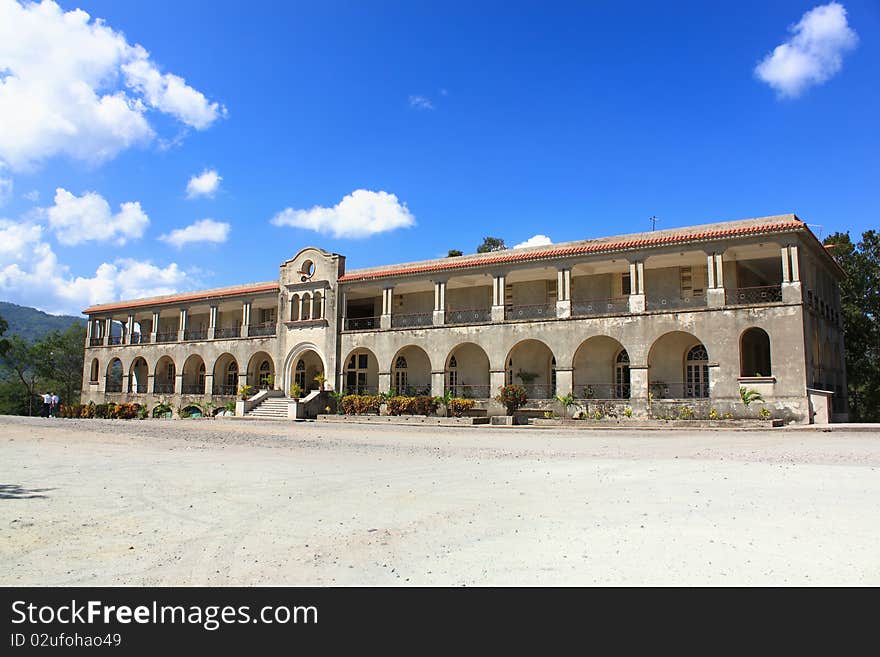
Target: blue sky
{"points": [[507, 119]]}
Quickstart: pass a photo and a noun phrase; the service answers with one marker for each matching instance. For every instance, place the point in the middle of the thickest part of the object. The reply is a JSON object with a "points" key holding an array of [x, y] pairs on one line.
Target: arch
{"points": [[191, 410], [316, 303], [467, 372], [306, 312], [225, 375], [94, 370], [600, 369], [138, 375], [306, 366], [754, 353], [361, 372], [113, 382], [193, 376], [678, 367], [294, 308], [532, 363], [411, 371], [261, 371], [164, 375]]}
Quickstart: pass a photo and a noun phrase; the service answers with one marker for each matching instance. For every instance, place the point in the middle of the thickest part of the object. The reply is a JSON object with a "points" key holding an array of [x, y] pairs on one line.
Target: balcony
{"points": [[115, 339], [113, 386], [591, 307], [412, 319], [361, 323], [228, 332], [469, 316], [96, 342], [261, 330], [193, 389], [676, 302], [747, 296], [167, 336], [195, 334], [166, 388], [533, 311], [140, 338]]}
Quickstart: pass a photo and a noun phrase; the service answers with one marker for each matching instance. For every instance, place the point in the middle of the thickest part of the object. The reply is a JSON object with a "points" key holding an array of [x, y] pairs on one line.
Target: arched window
{"points": [[400, 378], [306, 312], [754, 353], [93, 376], [356, 373], [299, 375], [621, 375], [294, 308], [508, 374], [316, 302], [232, 376], [452, 376], [552, 377], [265, 373], [696, 374], [202, 376]]}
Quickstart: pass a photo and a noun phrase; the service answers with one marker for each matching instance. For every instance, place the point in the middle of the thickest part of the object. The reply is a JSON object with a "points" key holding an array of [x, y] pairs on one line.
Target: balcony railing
{"points": [[414, 390], [96, 342], [602, 390], [540, 390], [608, 306], [744, 296], [167, 336], [113, 386], [161, 388], [469, 391], [193, 389], [676, 302], [227, 332], [469, 316], [533, 311], [139, 389], [361, 323], [263, 329], [140, 338], [115, 339], [225, 390], [412, 319], [663, 390], [361, 390], [195, 334]]}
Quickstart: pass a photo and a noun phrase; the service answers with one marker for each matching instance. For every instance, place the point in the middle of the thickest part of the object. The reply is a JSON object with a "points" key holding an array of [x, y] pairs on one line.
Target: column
{"points": [[312, 306], [637, 286], [439, 303], [387, 301], [155, 328], [151, 379], [564, 381], [209, 385], [791, 278], [343, 311], [496, 382], [178, 381], [323, 307], [498, 285], [129, 328], [638, 385], [245, 318], [108, 326], [181, 325], [212, 322], [563, 293], [438, 383], [384, 381], [715, 296], [89, 331]]}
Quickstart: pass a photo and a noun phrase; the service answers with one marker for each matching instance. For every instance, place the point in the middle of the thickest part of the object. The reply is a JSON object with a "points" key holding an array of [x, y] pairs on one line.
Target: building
{"points": [[648, 320]]}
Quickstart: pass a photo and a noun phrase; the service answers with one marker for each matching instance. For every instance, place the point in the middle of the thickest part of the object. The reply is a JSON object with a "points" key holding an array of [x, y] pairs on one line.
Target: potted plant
{"points": [[320, 379], [295, 391], [270, 381], [513, 397], [245, 391]]}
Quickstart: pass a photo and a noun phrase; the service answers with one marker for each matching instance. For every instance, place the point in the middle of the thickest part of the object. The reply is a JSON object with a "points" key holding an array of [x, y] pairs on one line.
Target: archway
{"points": [[361, 374], [678, 367], [114, 376], [532, 364], [467, 372], [163, 378], [754, 353], [261, 371], [411, 371], [193, 376], [601, 369], [93, 373], [306, 366], [225, 379], [138, 375]]}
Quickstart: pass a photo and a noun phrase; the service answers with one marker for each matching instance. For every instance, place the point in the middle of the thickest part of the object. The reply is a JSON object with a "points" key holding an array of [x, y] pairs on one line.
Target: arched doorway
{"points": [[225, 377], [532, 364], [600, 369], [678, 367], [137, 376], [754, 353], [411, 372], [114, 376], [467, 372], [306, 366], [361, 374], [163, 379], [193, 376], [261, 371]]}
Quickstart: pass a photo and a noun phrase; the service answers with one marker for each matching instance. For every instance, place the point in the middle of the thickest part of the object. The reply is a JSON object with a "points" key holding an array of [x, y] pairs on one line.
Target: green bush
{"points": [[412, 405], [457, 407], [361, 404], [108, 411]]}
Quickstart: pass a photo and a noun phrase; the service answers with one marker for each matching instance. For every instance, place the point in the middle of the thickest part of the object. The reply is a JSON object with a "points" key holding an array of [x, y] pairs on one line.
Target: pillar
{"points": [[564, 381], [108, 325], [154, 327], [439, 303], [129, 326], [563, 293], [384, 382], [178, 381], [209, 384], [181, 325], [212, 322], [438, 383], [638, 386], [791, 278], [387, 302], [245, 318], [498, 286], [637, 287], [715, 296]]}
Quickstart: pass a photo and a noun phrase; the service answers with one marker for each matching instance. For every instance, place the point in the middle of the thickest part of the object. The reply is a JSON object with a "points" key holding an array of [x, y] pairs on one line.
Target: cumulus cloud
{"points": [[78, 219], [31, 274], [360, 214], [421, 102], [72, 85], [812, 55], [205, 184], [534, 240], [205, 230]]}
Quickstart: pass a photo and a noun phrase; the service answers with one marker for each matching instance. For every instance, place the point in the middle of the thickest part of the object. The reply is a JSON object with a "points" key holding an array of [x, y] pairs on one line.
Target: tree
{"points": [[61, 358], [860, 309], [491, 244], [4, 343], [453, 253], [21, 360]]}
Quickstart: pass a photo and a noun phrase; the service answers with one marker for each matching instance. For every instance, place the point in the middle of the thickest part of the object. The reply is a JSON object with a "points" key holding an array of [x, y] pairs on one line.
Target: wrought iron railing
{"points": [[195, 334], [676, 302], [743, 296], [465, 391], [96, 342], [227, 332], [608, 306], [225, 390], [361, 323], [167, 336], [469, 316], [113, 386], [193, 389], [540, 390], [412, 319], [140, 338], [532, 311], [260, 330], [602, 390], [361, 390], [115, 339], [139, 389], [413, 390], [161, 388], [663, 390]]}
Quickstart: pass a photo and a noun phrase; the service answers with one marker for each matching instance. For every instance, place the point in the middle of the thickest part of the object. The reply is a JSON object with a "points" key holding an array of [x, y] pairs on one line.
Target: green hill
{"points": [[33, 324]]}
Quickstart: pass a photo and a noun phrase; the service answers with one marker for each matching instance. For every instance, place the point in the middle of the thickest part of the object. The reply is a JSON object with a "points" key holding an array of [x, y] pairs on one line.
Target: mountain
{"points": [[33, 324]]}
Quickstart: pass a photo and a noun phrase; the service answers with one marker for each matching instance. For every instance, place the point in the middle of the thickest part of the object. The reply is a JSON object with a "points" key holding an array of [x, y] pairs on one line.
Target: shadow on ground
{"points": [[16, 492]]}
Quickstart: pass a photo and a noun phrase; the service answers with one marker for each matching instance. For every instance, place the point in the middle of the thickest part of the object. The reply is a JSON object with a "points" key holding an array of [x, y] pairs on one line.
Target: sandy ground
{"points": [[233, 502]]}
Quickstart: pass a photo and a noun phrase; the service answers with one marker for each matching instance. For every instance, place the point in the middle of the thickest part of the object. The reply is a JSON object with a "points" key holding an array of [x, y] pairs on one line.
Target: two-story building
{"points": [[680, 316]]}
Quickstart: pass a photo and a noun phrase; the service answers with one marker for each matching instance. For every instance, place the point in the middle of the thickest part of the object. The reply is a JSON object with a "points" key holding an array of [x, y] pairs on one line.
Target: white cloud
{"points": [[812, 55], [205, 184], [77, 219], [360, 214], [33, 196], [72, 85], [5, 190], [205, 230], [534, 240], [31, 274], [421, 102]]}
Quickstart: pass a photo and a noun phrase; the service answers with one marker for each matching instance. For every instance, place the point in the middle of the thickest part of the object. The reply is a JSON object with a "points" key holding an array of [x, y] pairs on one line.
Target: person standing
{"points": [[53, 408], [47, 402]]}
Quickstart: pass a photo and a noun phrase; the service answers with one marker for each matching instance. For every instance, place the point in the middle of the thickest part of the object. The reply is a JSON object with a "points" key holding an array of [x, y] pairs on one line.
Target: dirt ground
{"points": [[235, 502]]}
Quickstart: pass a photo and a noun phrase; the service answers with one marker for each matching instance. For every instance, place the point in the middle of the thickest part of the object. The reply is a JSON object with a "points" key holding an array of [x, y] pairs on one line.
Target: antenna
{"points": [[820, 227], [653, 221]]}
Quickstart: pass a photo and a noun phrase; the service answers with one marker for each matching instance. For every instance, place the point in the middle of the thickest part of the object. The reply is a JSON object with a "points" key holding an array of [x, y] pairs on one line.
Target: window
{"points": [[93, 377], [306, 313], [400, 378], [452, 375], [696, 374], [625, 285], [232, 374], [754, 353], [294, 308], [299, 376], [202, 376], [621, 375], [356, 373], [265, 373]]}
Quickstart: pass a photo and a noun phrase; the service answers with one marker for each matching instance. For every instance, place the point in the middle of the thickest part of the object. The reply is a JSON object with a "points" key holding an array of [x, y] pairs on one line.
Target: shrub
{"points": [[513, 396], [457, 407], [628, 411], [748, 396], [412, 405], [686, 413], [361, 404], [295, 391], [714, 414], [230, 407], [162, 410], [245, 391], [764, 413], [105, 411]]}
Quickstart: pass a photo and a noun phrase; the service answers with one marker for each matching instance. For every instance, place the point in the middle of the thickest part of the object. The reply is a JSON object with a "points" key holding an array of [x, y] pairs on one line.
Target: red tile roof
{"points": [[581, 249], [186, 296]]}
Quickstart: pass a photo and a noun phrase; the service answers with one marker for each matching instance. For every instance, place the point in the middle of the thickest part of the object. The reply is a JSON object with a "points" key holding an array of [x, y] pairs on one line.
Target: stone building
{"points": [[672, 317]]}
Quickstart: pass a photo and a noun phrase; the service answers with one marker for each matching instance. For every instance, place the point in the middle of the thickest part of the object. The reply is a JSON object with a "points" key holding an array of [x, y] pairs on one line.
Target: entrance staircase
{"points": [[271, 408]]}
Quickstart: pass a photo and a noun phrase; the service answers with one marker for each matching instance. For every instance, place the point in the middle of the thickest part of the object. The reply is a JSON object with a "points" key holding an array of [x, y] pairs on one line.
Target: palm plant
{"points": [[748, 396], [567, 401]]}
